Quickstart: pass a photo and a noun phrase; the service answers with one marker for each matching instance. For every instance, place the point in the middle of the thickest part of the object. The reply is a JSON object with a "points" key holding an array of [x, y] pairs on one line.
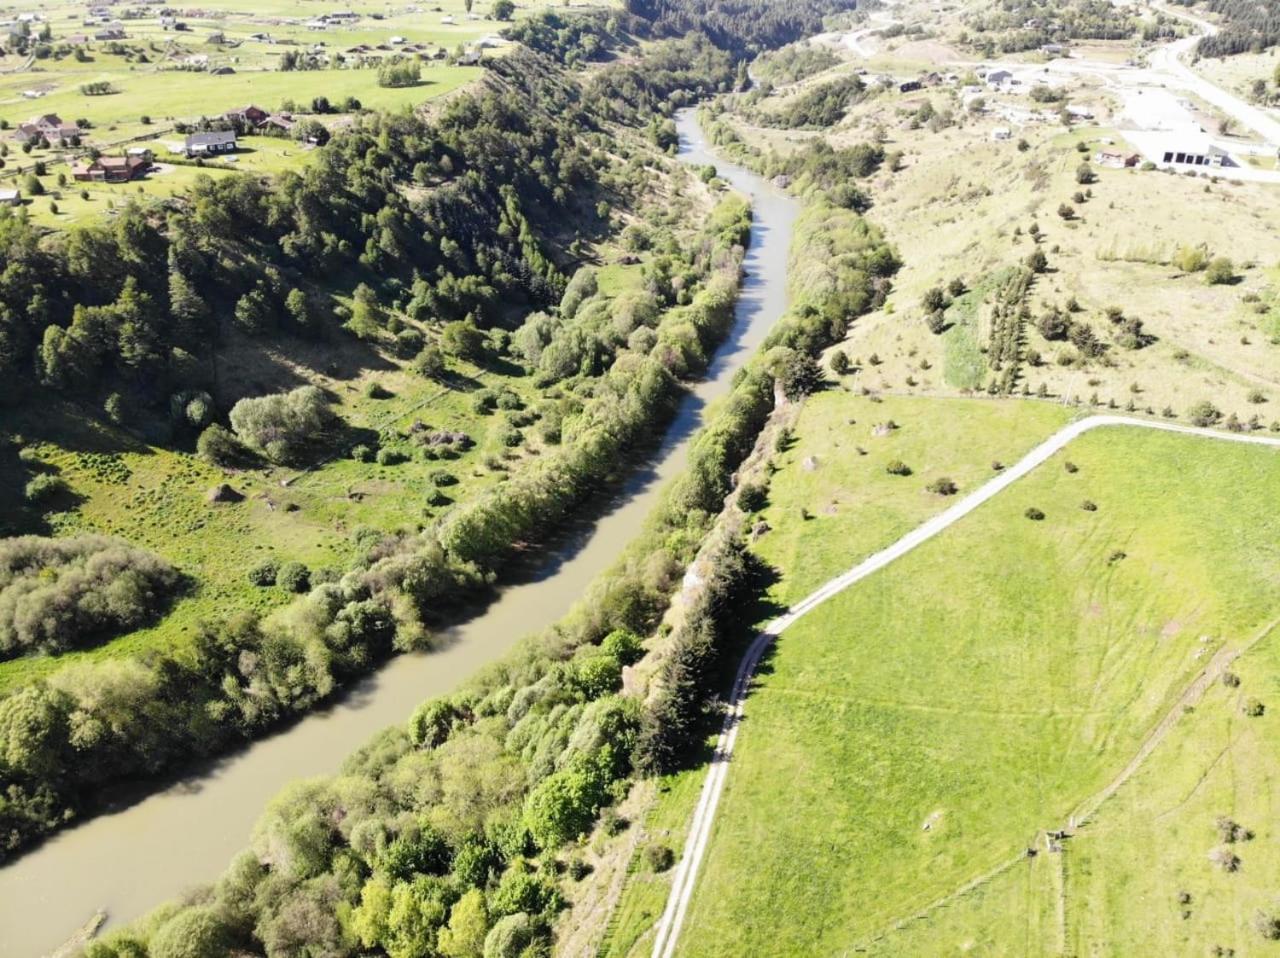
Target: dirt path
{"points": [[686, 873]]}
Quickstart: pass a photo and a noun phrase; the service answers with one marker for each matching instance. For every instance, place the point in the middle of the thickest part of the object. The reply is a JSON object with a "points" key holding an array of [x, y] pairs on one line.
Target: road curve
{"points": [[669, 925]]}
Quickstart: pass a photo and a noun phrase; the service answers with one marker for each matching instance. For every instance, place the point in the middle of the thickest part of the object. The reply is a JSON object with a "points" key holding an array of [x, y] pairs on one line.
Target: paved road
{"points": [[668, 928], [1168, 59]]}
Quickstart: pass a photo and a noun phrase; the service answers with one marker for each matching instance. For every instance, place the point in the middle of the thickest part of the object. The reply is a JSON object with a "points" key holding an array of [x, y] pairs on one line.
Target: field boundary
{"points": [[685, 878]]}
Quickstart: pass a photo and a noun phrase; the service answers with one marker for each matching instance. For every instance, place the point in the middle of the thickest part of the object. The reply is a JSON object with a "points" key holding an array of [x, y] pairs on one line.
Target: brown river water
{"points": [[129, 859]]}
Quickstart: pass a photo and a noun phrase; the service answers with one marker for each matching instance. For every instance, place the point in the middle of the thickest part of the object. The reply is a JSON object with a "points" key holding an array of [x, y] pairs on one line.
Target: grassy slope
{"points": [[155, 497], [856, 506], [958, 438], [987, 683]]}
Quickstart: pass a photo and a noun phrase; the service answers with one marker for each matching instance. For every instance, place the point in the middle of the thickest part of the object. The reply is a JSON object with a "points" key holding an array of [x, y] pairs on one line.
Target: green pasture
{"points": [[156, 497], [927, 726], [834, 471]]}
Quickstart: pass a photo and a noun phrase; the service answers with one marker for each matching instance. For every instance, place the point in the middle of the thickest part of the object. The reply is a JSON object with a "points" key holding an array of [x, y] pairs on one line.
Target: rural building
{"points": [[111, 33], [10, 197], [211, 143], [1079, 112], [111, 169], [1055, 49], [248, 115], [1001, 133], [996, 77], [50, 126], [221, 72], [1186, 148], [1116, 160], [909, 86], [278, 122]]}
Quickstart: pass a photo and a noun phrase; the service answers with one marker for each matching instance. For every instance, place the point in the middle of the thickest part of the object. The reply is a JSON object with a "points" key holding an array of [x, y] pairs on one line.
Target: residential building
{"points": [[111, 169], [211, 143]]}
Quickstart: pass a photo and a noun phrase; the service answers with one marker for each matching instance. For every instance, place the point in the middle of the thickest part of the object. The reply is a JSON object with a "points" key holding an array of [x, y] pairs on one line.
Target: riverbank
{"points": [[154, 841]]}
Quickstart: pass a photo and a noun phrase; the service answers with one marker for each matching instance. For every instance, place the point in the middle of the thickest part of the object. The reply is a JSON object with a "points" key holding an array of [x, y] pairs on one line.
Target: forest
{"points": [[1028, 24], [1249, 26]]}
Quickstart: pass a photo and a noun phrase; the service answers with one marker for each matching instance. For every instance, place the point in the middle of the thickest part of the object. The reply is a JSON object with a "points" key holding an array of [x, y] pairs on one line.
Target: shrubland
{"points": [[61, 593]]}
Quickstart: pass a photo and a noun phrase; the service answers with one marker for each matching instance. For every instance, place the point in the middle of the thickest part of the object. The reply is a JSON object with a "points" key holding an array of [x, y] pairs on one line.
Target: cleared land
{"points": [[160, 76], [1013, 658], [959, 438]]}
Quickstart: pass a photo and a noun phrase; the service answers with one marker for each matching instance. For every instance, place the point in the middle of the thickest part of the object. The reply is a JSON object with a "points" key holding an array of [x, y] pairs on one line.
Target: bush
{"points": [[442, 478], [658, 857], [1089, 505], [752, 497], [1191, 259], [362, 453], [1220, 272], [429, 363], [294, 577], [1085, 174], [897, 467], [283, 425], [219, 447], [56, 594], [264, 573], [1034, 514], [390, 456], [839, 362], [942, 486], [624, 646], [1253, 707], [1204, 413], [44, 487]]}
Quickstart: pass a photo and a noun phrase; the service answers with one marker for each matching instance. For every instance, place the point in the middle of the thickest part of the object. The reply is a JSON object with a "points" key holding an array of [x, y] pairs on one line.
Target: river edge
{"points": [[130, 860]]}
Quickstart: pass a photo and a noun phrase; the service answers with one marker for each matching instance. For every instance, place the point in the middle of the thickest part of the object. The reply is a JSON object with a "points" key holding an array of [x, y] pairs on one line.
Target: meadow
{"points": [[925, 728], [853, 508], [155, 496], [153, 91]]}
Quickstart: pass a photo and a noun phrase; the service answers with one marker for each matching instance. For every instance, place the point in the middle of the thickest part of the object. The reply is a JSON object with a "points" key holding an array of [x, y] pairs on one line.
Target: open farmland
{"points": [[1011, 657], [163, 72]]}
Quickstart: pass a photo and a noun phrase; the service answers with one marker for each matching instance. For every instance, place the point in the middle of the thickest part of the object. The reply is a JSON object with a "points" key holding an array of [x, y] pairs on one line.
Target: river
{"points": [[128, 860]]}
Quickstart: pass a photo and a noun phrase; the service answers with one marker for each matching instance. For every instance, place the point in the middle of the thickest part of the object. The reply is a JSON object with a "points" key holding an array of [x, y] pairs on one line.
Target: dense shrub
{"points": [[44, 487], [293, 577], [57, 594], [282, 426]]}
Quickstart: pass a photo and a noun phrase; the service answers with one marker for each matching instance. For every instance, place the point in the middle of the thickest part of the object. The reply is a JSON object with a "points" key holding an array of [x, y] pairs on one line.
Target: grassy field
{"points": [[925, 727], [155, 497], [855, 506], [960, 439], [151, 92]]}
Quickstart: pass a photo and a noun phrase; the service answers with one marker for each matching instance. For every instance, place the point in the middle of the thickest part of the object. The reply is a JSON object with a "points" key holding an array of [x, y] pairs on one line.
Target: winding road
{"points": [[669, 925]]}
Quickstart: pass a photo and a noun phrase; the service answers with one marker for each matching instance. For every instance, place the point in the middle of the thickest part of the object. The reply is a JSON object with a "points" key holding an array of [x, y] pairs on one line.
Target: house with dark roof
{"points": [[211, 143], [247, 115]]}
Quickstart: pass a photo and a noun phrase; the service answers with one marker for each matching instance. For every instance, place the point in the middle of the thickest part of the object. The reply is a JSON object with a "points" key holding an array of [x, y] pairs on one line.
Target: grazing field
{"points": [[157, 497], [855, 508], [160, 77], [925, 728], [834, 471]]}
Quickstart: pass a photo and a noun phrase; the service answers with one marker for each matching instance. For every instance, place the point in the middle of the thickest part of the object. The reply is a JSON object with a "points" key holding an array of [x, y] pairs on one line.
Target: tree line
{"points": [[1248, 26]]}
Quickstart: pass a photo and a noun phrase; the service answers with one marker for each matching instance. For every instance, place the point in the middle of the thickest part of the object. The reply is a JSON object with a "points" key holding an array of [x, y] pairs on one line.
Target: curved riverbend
{"points": [[130, 860]]}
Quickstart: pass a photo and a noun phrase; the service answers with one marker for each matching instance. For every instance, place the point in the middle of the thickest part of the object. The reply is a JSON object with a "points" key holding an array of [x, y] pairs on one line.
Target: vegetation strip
{"points": [[668, 929]]}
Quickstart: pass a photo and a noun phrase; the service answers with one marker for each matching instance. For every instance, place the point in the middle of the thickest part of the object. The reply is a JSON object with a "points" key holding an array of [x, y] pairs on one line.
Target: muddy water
{"points": [[131, 859]]}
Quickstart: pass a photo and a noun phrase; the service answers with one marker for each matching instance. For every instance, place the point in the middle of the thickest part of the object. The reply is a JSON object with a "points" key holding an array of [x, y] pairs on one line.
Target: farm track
{"points": [[685, 877]]}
